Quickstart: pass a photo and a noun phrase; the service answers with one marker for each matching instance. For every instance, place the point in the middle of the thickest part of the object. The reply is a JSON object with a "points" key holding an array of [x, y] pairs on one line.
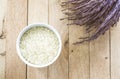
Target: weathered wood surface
{"points": [[99, 59]]}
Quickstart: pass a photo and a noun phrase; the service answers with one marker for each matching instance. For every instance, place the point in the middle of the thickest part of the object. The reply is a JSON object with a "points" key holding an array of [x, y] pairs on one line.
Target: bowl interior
{"points": [[38, 25]]}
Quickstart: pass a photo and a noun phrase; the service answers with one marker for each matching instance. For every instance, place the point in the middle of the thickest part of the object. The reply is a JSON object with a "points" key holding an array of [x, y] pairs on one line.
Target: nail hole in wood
{"points": [[3, 54], [106, 57], [71, 50]]}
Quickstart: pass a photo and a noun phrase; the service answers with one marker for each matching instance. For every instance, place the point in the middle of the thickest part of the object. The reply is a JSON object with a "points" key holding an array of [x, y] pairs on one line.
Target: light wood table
{"points": [[99, 59]]}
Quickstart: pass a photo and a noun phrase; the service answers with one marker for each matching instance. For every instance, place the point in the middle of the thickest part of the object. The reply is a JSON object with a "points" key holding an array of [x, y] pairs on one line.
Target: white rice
{"points": [[39, 45]]}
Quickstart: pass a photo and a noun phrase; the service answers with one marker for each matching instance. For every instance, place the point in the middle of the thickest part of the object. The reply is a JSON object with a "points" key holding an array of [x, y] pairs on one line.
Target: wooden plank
{"points": [[37, 12], [79, 54], [15, 20], [99, 58], [115, 52], [59, 69], [3, 5]]}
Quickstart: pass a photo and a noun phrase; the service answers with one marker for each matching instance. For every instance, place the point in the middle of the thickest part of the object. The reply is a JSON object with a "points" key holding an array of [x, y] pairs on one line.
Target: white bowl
{"points": [[27, 28]]}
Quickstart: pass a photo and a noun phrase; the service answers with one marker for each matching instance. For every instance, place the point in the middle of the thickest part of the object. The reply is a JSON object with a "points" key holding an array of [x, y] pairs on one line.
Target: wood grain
{"points": [[59, 69], [115, 52], [99, 58], [3, 7], [37, 12], [79, 54], [16, 19], [2, 58]]}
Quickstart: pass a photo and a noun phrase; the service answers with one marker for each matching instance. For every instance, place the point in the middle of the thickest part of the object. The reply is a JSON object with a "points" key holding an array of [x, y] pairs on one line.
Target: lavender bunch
{"points": [[97, 15]]}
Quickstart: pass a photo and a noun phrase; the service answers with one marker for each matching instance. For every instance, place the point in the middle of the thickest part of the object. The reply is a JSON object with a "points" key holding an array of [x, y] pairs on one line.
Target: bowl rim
{"points": [[38, 25]]}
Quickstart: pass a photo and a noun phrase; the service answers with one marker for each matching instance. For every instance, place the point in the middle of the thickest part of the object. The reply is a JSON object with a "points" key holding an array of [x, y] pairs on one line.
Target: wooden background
{"points": [[99, 59]]}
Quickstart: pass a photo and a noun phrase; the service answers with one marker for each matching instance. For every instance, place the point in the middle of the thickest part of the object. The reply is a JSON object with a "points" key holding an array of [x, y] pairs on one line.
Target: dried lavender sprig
{"points": [[112, 18]]}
